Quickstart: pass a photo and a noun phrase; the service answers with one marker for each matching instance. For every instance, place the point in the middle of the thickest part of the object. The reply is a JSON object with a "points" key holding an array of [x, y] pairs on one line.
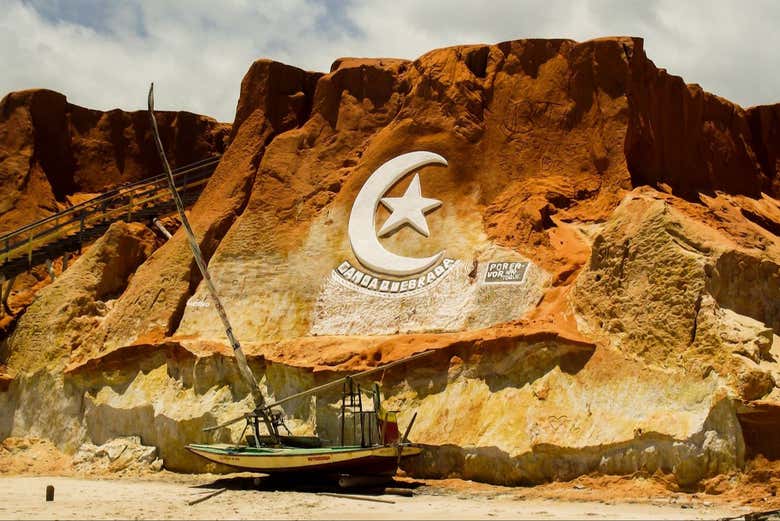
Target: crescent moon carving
{"points": [[362, 220]]}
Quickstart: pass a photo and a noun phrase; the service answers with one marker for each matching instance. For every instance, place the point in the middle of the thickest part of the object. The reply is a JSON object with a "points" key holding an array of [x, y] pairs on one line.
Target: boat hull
{"points": [[344, 460]]}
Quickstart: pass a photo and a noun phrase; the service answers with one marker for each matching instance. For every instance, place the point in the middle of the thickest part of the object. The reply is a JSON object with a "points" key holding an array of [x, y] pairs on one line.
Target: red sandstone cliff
{"points": [[52, 150], [647, 207]]}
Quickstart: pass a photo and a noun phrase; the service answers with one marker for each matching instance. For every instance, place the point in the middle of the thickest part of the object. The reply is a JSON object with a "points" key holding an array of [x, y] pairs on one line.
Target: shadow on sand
{"points": [[365, 485]]}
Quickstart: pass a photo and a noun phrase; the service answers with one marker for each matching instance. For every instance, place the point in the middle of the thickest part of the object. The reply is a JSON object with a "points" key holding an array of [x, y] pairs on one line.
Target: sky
{"points": [[103, 54]]}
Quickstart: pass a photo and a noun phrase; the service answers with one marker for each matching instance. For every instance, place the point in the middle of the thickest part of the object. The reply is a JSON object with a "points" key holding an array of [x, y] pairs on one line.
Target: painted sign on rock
{"points": [[407, 275]]}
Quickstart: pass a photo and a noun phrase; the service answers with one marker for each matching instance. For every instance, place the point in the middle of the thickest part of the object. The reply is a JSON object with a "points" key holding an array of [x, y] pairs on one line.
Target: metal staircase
{"points": [[69, 230]]}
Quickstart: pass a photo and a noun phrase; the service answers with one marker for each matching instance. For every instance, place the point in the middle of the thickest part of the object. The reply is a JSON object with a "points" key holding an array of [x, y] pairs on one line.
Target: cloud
{"points": [[104, 54]]}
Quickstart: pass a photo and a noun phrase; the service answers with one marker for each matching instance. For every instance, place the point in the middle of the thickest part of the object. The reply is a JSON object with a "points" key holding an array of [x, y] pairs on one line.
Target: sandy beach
{"points": [[23, 497], [94, 489]]}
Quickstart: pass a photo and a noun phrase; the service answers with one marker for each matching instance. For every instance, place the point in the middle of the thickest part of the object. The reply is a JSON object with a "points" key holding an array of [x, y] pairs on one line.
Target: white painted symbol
{"points": [[409, 209]]}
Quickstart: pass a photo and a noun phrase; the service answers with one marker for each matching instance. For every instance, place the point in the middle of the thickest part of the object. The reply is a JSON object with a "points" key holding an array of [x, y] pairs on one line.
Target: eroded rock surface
{"points": [[70, 310], [117, 455], [54, 153], [647, 319], [654, 288]]}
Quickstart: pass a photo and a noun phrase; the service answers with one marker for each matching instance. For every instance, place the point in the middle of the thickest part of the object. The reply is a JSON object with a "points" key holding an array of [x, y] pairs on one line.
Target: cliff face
{"points": [[642, 211], [694, 141], [53, 152]]}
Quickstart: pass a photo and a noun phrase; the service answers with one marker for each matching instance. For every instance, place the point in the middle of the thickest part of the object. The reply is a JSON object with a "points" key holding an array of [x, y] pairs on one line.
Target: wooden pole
{"points": [[243, 366], [323, 387], [204, 498], [162, 228], [359, 498]]}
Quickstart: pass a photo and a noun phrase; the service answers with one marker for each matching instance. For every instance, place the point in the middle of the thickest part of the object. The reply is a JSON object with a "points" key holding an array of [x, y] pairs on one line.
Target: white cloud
{"points": [[104, 54]]}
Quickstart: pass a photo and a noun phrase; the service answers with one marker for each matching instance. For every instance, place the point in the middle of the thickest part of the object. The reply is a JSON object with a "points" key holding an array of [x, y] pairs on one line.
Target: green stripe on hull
{"points": [[269, 451]]}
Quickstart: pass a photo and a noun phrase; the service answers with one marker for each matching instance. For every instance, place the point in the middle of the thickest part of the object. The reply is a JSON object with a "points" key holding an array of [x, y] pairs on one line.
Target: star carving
{"points": [[409, 209]]}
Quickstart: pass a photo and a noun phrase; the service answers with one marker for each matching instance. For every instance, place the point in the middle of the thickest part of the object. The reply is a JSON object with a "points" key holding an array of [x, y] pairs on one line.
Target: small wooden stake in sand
{"points": [[204, 498], [50, 493]]}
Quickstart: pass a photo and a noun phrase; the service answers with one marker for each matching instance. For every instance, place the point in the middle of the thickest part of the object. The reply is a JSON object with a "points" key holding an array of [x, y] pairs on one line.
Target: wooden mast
{"points": [[243, 366]]}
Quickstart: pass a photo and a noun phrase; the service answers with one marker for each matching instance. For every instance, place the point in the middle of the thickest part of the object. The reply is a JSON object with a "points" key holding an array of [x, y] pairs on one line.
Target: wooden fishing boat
{"points": [[355, 460], [378, 452]]}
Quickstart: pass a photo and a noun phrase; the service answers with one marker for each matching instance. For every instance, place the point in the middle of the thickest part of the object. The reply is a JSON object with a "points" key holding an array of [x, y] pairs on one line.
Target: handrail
{"points": [[104, 210], [125, 200], [101, 209], [116, 192]]}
